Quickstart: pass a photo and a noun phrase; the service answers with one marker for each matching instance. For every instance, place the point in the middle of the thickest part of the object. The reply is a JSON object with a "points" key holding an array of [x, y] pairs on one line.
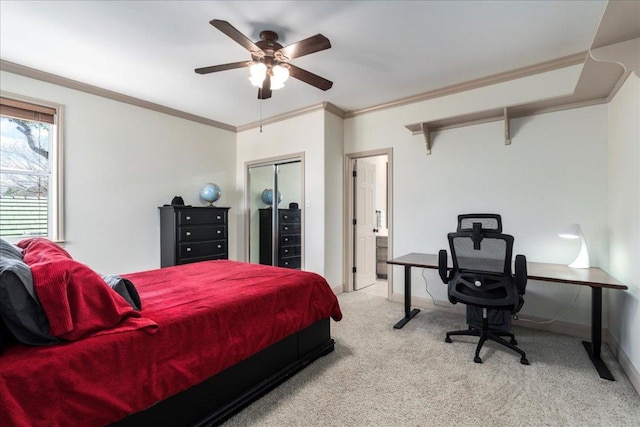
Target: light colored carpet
{"points": [[380, 376]]}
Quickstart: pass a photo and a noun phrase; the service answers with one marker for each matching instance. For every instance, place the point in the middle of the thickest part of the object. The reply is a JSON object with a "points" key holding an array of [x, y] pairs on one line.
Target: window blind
{"points": [[26, 111]]}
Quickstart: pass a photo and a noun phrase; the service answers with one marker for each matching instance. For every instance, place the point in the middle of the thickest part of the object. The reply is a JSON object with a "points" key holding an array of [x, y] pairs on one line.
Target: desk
{"points": [[593, 277]]}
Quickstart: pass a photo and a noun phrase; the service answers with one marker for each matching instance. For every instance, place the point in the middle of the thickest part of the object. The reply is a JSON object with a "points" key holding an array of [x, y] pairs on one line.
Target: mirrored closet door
{"points": [[275, 187]]}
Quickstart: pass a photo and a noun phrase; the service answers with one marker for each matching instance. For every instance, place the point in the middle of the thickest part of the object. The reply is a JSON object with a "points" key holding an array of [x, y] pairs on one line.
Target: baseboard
{"points": [[625, 363], [338, 289], [558, 326]]}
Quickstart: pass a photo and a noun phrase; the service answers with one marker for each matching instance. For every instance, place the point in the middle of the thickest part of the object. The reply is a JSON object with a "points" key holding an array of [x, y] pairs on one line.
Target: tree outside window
{"points": [[25, 176]]}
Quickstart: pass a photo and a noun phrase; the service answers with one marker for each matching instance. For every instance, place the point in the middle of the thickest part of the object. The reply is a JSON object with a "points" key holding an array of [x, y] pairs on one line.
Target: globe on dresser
{"points": [[210, 193], [267, 196]]}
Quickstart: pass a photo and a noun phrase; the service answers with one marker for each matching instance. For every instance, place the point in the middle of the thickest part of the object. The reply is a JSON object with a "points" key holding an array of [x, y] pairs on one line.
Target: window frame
{"points": [[56, 209]]}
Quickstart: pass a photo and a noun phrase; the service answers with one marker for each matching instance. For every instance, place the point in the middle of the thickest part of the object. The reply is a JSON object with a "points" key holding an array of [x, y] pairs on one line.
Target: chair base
{"points": [[486, 334]]}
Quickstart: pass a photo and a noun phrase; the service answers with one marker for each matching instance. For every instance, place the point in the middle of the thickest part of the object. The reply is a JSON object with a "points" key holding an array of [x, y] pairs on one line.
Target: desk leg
{"points": [[408, 313], [593, 347]]}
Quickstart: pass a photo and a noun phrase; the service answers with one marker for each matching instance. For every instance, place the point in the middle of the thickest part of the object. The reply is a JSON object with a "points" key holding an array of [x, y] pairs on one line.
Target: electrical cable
{"points": [[426, 287], [516, 317]]}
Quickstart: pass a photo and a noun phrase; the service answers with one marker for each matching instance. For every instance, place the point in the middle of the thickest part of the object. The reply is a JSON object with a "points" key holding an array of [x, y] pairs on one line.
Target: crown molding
{"points": [[554, 64], [331, 108], [21, 70], [326, 106]]}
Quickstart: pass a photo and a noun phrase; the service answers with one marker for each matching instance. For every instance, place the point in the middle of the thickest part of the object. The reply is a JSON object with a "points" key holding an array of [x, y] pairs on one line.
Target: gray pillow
{"points": [[125, 289], [11, 258], [20, 308]]}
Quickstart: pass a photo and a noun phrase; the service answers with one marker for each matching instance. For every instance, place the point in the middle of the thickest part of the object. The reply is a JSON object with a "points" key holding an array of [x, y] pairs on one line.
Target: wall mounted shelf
{"points": [[597, 81]]}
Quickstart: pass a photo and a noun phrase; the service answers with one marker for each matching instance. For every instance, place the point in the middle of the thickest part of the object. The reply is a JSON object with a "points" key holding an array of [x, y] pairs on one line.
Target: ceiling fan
{"points": [[269, 65]]}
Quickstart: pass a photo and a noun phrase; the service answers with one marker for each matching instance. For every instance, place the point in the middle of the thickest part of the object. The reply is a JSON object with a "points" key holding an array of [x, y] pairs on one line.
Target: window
{"points": [[30, 170]]}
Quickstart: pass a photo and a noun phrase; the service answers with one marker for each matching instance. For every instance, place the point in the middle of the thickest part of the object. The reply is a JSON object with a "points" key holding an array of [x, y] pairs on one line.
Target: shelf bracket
{"points": [[507, 127], [427, 136]]}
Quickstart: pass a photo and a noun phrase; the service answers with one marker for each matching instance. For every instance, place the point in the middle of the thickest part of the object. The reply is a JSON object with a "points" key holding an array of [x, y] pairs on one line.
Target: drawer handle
{"points": [[286, 251], [286, 263], [218, 217], [286, 216], [286, 239], [286, 228], [219, 246], [188, 249], [218, 231], [188, 233], [188, 218]]}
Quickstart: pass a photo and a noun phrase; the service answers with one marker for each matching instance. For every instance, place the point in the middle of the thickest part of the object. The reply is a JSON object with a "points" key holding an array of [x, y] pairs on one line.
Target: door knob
{"points": [[375, 230]]}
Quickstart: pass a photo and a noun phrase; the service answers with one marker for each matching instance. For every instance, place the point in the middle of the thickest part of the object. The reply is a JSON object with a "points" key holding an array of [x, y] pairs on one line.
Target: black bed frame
{"points": [[223, 395]]}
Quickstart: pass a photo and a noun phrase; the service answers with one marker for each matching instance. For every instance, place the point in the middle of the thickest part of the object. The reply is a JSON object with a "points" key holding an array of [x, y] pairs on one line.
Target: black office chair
{"points": [[481, 277]]}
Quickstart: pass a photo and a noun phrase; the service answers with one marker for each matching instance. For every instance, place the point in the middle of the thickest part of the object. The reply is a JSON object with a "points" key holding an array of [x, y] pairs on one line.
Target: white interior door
{"points": [[365, 237]]}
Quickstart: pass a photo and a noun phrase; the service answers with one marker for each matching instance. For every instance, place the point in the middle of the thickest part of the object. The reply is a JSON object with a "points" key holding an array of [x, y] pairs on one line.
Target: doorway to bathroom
{"points": [[368, 219]]}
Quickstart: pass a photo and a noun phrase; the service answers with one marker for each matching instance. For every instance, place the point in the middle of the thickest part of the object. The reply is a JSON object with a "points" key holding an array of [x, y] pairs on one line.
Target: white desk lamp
{"points": [[574, 231]]}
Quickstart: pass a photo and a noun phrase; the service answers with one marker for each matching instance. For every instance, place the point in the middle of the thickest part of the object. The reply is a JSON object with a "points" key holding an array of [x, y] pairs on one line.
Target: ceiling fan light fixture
{"points": [[258, 73], [280, 75]]}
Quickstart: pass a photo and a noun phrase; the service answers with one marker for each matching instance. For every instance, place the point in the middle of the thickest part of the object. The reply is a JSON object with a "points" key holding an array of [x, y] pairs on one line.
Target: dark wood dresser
{"points": [[289, 243], [191, 234]]}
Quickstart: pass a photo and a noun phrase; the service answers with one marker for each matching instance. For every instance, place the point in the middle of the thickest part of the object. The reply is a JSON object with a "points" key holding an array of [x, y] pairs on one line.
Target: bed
{"points": [[211, 337]]}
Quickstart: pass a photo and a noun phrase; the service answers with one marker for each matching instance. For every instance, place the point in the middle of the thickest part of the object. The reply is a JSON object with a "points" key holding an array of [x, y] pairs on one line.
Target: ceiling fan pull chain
{"points": [[260, 101]]}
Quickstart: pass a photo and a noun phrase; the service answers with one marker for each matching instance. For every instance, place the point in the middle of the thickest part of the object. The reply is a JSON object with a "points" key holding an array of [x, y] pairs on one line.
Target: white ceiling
{"points": [[381, 50]]}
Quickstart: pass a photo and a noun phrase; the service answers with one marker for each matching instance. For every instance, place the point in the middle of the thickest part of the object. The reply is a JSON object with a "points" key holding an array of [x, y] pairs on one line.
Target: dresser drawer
{"points": [[291, 216], [293, 262], [290, 240], [203, 249], [288, 228], [288, 251], [203, 232], [201, 216]]}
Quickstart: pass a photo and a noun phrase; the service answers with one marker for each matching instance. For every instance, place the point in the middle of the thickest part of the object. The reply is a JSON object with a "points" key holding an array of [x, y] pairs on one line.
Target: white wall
{"points": [[553, 174], [121, 163], [333, 220], [381, 189], [624, 218]]}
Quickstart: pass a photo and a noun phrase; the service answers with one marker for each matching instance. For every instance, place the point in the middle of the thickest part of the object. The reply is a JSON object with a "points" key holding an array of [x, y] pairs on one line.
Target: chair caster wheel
{"points": [[514, 342], [447, 339], [477, 359], [524, 361]]}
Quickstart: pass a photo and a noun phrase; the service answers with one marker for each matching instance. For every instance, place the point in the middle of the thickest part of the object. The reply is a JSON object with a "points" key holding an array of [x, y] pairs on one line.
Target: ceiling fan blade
{"points": [[235, 35], [310, 78], [265, 91], [304, 47], [223, 67]]}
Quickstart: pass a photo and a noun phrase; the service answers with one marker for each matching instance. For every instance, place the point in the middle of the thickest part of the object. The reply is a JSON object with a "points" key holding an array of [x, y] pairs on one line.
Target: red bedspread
{"points": [[211, 315]]}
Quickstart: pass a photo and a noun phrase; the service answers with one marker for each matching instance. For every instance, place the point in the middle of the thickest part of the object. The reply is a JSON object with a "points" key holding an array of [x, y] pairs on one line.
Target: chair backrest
{"points": [[489, 222], [479, 245], [481, 251]]}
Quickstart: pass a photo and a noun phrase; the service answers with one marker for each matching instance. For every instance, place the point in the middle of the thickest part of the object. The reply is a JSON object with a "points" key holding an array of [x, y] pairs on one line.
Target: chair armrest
{"points": [[521, 273], [442, 266]]}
